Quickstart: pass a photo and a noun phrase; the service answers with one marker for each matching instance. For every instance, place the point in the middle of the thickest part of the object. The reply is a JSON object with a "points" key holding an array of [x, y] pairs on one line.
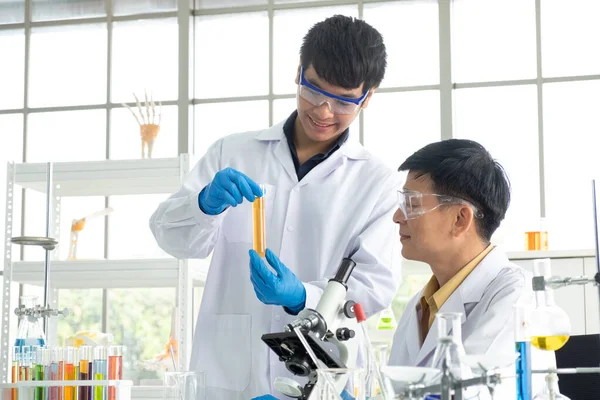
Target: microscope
{"points": [[329, 331]]}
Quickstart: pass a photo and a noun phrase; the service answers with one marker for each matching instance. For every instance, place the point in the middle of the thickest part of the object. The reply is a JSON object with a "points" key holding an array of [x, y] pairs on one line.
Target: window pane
{"points": [[67, 136], [68, 67], [398, 124], [85, 307], [12, 11], [140, 319], [210, 121], [125, 141], [234, 65], [206, 4], [12, 74], [47, 10], [570, 37], [128, 7], [145, 56], [571, 144], [504, 121], [493, 40], [283, 108], [289, 27], [11, 130], [411, 35], [128, 234]]}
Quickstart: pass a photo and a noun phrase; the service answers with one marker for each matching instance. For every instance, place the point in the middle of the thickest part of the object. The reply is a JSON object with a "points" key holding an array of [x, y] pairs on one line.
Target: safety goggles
{"points": [[414, 204], [337, 104]]}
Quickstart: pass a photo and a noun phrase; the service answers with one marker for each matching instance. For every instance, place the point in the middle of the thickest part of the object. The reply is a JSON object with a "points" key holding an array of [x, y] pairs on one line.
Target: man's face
{"points": [[320, 123], [427, 236]]}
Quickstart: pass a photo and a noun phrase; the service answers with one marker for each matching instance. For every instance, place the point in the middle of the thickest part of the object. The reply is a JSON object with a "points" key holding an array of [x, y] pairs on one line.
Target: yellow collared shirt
{"points": [[434, 296]]}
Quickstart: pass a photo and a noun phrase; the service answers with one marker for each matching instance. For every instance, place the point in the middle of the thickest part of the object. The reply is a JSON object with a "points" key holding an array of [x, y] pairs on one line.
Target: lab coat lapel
{"points": [[470, 291], [281, 149], [413, 341], [349, 150]]}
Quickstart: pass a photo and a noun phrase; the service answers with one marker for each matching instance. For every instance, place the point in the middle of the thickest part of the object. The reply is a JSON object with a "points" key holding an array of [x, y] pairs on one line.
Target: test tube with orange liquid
{"points": [[115, 368], [69, 372], [259, 223]]}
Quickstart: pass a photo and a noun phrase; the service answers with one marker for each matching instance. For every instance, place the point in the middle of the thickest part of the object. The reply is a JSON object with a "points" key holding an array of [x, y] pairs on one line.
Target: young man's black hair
{"points": [[465, 169], [345, 52]]}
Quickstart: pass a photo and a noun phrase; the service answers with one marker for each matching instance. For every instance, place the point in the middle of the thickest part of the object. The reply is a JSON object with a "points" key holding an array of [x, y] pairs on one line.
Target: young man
{"points": [[326, 198], [454, 199]]}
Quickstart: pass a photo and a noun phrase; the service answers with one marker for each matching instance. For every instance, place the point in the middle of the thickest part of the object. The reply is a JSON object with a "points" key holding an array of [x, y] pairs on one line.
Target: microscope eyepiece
{"points": [[344, 271]]}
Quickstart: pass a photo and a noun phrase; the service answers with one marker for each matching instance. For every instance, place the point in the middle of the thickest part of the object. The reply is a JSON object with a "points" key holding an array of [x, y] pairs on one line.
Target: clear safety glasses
{"points": [[414, 204], [337, 104]]}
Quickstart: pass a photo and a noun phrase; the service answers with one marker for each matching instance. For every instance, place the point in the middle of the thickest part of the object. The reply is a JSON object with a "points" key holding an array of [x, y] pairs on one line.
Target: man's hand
{"points": [[229, 187], [282, 289]]}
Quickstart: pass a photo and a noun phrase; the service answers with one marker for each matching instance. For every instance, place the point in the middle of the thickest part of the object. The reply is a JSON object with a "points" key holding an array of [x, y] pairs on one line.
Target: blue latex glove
{"points": [[229, 187], [283, 289], [346, 396]]}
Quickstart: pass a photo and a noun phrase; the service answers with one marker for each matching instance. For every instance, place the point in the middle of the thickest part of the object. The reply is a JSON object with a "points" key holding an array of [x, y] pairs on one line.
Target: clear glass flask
{"points": [[550, 325], [30, 332], [386, 321]]}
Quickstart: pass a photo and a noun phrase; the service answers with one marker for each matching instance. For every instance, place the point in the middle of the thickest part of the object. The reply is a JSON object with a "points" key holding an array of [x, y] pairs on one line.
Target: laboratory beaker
{"points": [[259, 222], [332, 381], [30, 332], [550, 325], [184, 386], [386, 321]]}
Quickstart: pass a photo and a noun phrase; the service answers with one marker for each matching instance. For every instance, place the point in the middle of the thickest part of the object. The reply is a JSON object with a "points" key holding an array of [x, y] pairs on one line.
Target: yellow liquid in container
{"points": [[549, 342], [260, 232]]}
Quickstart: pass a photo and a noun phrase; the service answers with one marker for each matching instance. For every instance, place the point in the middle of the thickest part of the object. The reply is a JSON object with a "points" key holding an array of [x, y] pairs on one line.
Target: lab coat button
{"points": [[296, 189], [290, 228], [277, 318]]}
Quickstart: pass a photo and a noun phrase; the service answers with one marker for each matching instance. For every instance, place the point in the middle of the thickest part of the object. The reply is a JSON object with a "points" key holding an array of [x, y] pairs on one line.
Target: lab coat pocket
{"points": [[225, 351], [238, 225]]}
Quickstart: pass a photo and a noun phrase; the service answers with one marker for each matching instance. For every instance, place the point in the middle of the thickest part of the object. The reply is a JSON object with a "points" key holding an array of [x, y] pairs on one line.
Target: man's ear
{"points": [[365, 103], [298, 74], [463, 221]]}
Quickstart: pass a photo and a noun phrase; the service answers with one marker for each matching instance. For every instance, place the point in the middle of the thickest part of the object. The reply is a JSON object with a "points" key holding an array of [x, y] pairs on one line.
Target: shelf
{"points": [[535, 254], [104, 178], [87, 274], [410, 267]]}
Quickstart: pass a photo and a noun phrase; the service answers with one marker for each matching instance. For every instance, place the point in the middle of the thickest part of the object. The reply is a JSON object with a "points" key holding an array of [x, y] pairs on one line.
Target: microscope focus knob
{"points": [[343, 334], [349, 309]]}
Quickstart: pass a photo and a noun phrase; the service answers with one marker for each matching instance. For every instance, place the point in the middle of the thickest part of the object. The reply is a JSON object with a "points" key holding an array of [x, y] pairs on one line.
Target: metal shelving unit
{"points": [[100, 178]]}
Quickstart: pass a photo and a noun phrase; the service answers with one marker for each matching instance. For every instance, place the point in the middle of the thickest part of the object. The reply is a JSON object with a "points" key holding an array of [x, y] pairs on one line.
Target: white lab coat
{"points": [[341, 208], [485, 299]]}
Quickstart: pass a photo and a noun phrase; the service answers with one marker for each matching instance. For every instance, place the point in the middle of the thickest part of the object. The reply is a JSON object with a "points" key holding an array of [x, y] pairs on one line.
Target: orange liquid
{"points": [[536, 240], [61, 376], [260, 232], [69, 376], [115, 371], [15, 379]]}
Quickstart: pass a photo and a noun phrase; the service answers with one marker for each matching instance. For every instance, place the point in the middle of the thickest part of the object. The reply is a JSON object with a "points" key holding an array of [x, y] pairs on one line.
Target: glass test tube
{"points": [[115, 368], [85, 363], [100, 372], [69, 372], [16, 365], [38, 371], [258, 217]]}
